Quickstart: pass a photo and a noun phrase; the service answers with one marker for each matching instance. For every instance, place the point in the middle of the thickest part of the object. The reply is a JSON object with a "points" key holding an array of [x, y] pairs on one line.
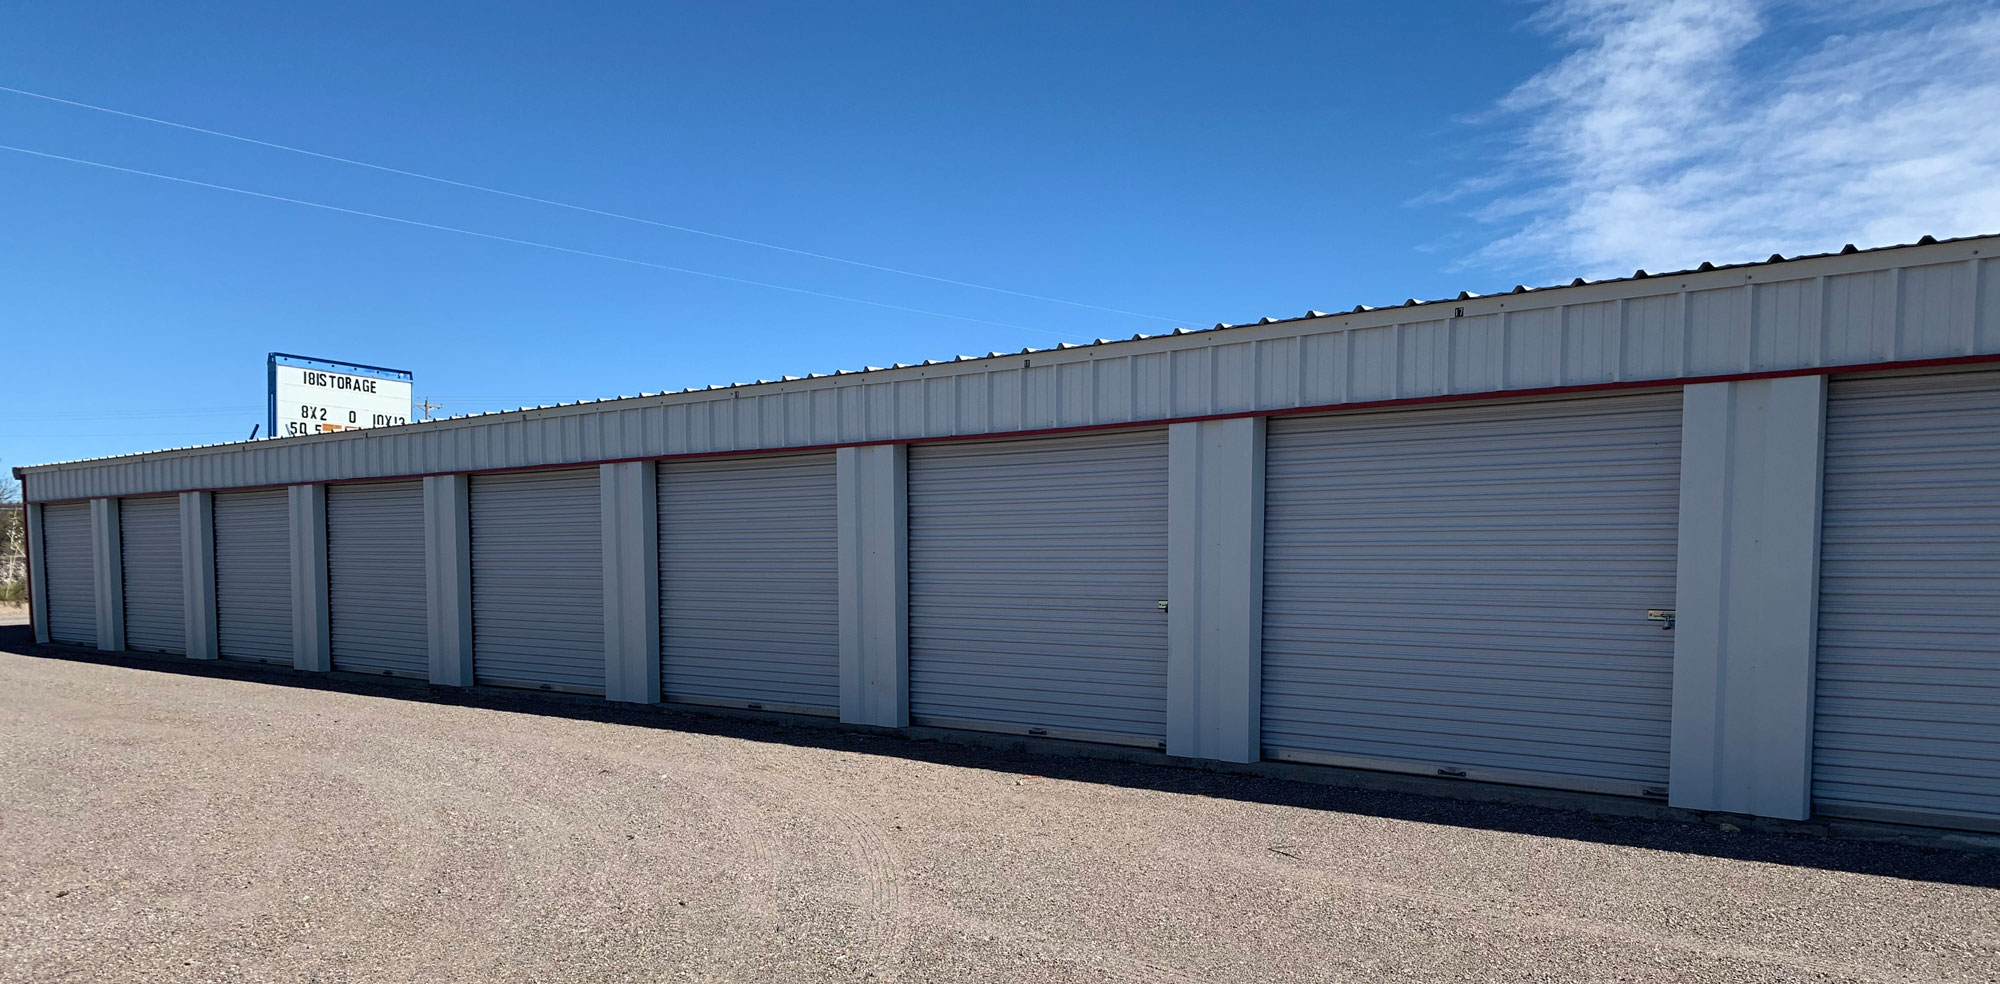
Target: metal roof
{"points": [[1637, 275]]}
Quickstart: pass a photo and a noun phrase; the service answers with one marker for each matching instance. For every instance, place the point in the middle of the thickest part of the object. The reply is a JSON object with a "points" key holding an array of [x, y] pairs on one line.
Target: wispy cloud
{"points": [[1676, 131]]}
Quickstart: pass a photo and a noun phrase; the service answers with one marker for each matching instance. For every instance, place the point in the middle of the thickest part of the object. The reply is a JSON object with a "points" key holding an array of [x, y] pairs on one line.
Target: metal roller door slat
{"points": [[749, 582], [1907, 724], [538, 580], [1036, 572], [377, 604], [253, 575], [1465, 589], [68, 573], [149, 531]]}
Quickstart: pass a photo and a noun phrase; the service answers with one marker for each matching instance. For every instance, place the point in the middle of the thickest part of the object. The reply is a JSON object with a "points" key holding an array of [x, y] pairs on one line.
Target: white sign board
{"points": [[312, 396]]}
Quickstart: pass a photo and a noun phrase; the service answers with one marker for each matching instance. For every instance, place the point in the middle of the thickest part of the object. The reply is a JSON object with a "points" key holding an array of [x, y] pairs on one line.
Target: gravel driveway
{"points": [[207, 825]]}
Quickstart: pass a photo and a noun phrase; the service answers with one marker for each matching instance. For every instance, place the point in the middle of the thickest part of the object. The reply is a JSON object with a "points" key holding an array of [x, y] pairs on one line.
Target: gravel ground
{"points": [[203, 824]]}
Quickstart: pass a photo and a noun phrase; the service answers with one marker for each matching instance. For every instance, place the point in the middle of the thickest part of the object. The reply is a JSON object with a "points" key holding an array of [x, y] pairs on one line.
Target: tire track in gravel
{"points": [[1122, 967], [1624, 937], [754, 856], [528, 817], [882, 907], [387, 789], [542, 806]]}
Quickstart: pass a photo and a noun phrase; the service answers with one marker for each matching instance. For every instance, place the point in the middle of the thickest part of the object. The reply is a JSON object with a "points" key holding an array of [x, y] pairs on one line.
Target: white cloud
{"points": [[1677, 131]]}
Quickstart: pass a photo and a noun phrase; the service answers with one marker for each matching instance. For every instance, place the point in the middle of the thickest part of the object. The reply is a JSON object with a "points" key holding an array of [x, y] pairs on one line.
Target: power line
{"points": [[528, 242], [149, 414], [583, 208]]}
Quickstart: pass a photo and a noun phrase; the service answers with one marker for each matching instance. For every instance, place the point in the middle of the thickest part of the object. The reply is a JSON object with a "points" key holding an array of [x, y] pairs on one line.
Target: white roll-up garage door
{"points": [[1037, 568], [749, 583], [253, 576], [1463, 591], [149, 532], [67, 573], [1908, 696], [376, 601], [538, 580]]}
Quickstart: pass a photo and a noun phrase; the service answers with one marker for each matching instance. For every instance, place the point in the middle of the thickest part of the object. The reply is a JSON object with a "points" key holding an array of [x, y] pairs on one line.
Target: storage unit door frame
{"points": [[538, 580], [149, 531], [1907, 704], [750, 582], [68, 573], [1464, 590], [253, 575], [1037, 571], [377, 602]]}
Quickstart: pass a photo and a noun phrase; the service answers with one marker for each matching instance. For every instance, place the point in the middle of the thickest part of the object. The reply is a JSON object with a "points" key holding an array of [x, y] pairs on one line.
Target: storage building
{"points": [[1729, 537]]}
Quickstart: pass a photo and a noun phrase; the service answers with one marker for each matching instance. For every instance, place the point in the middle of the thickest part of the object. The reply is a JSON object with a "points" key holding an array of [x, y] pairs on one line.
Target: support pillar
{"points": [[310, 643], [1215, 589], [627, 491], [874, 531], [1747, 606], [448, 577], [108, 567], [198, 573], [38, 584]]}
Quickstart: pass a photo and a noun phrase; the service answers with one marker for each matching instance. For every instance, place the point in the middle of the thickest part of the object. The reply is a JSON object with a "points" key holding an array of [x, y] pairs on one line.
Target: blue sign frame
{"points": [[277, 359]]}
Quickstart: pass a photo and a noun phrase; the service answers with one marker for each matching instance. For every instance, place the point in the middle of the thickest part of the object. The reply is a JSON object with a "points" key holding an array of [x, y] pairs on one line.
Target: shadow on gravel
{"points": [[1573, 821]]}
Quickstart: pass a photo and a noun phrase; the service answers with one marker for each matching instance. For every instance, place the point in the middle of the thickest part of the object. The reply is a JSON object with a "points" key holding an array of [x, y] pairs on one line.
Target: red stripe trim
{"points": [[1414, 401]]}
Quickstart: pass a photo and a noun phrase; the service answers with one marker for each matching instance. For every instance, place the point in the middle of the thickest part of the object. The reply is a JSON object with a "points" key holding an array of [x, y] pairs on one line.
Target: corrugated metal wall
{"points": [[538, 580], [1908, 703], [67, 571], [150, 546], [253, 575], [1917, 303], [1466, 589], [749, 582], [376, 600], [1036, 572]]}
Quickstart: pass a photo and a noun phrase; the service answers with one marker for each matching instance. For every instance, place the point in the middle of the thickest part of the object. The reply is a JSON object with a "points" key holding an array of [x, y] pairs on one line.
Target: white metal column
{"points": [[108, 566], [873, 528], [310, 630], [448, 578], [1747, 601], [198, 573], [38, 581], [631, 537], [1215, 588]]}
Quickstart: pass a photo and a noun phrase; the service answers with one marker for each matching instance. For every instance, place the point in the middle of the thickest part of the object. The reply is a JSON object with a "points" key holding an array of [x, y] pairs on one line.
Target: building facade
{"points": [[1727, 537]]}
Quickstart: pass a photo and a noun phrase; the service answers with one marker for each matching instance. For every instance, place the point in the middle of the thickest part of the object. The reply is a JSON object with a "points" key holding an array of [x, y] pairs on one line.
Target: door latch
{"points": [[1665, 616], [1163, 606]]}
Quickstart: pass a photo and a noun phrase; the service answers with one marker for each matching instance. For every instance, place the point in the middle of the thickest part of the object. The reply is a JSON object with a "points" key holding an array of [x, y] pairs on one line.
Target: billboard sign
{"points": [[315, 396]]}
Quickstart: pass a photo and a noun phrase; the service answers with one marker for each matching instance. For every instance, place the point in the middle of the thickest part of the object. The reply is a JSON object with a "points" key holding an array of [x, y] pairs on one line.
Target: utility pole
{"points": [[427, 406]]}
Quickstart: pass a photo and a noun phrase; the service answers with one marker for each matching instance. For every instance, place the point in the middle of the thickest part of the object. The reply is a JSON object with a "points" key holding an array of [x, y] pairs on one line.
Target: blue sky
{"points": [[1180, 163]]}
